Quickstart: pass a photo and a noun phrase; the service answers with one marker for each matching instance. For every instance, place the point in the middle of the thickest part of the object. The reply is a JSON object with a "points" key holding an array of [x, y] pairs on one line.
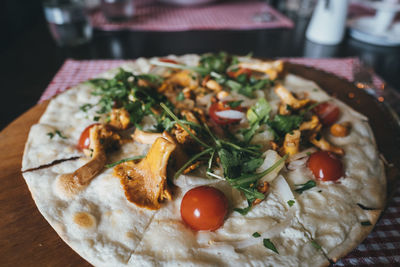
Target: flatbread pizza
{"points": [[205, 160]]}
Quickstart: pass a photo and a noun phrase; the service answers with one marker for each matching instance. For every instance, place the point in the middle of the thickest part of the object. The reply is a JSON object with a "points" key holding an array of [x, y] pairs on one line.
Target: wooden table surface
{"points": [[26, 239]]}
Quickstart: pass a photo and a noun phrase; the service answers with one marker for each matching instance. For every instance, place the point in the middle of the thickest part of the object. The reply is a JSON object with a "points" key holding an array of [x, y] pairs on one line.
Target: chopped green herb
{"points": [[85, 107], [124, 160], [305, 186], [239, 161], [180, 96], [256, 234], [215, 62], [195, 157], [316, 245], [257, 115], [366, 223], [56, 132], [283, 124], [290, 202], [124, 91], [234, 104], [268, 244], [244, 211]]}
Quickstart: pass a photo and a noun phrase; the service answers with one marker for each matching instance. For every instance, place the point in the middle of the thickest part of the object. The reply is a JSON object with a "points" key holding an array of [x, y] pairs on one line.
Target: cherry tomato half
{"points": [[327, 112], [220, 106], [84, 139], [325, 166], [204, 208]]}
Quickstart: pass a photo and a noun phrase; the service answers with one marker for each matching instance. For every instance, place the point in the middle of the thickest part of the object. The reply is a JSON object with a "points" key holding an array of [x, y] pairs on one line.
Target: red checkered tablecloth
{"points": [[150, 15], [380, 248]]}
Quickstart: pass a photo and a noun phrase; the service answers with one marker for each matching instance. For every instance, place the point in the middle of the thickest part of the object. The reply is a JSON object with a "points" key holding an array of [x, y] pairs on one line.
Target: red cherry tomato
{"points": [[325, 166], [220, 106], [327, 112], [235, 74], [204, 208], [84, 140], [168, 60]]}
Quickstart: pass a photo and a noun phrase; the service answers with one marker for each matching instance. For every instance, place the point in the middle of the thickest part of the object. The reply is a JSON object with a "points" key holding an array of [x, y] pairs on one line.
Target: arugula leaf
{"points": [[195, 157], [151, 78], [259, 112], [215, 62], [253, 177], [125, 91], [124, 160], [283, 124], [234, 104], [252, 165], [268, 244], [230, 161], [305, 186], [235, 86]]}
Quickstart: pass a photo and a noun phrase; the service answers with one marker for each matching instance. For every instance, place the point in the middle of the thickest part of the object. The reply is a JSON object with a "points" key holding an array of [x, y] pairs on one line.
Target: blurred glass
{"points": [[302, 8], [68, 21], [118, 10]]}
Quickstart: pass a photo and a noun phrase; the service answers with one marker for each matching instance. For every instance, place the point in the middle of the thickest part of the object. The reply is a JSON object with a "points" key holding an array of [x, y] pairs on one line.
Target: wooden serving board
{"points": [[26, 239]]}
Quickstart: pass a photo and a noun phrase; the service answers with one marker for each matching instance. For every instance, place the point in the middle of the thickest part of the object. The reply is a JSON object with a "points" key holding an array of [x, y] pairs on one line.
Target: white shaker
{"points": [[328, 22]]}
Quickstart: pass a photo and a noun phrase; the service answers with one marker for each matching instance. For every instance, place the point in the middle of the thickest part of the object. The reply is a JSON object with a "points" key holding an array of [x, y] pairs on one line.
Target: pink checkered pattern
{"points": [[236, 15], [380, 248], [73, 72]]}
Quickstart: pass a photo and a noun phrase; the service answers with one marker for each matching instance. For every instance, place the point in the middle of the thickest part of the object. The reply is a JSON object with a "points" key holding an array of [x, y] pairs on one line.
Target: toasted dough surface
{"points": [[101, 225]]}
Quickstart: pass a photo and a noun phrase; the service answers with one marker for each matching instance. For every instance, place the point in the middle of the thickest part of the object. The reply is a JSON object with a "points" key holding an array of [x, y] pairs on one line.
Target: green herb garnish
{"points": [[290, 202], [256, 234], [56, 133], [126, 91], [305, 186], [239, 161], [268, 244], [316, 245], [85, 107], [234, 104], [124, 160], [180, 96], [283, 124], [257, 115]]}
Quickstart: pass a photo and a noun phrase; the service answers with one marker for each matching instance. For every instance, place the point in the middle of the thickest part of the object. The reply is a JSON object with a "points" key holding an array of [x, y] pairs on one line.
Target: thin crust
{"points": [[151, 238]]}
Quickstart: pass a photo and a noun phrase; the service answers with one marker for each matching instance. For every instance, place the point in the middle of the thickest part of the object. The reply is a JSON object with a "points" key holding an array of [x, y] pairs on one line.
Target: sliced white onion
{"points": [[282, 188], [296, 164], [204, 100], [271, 157], [302, 154], [270, 233], [230, 114]]}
